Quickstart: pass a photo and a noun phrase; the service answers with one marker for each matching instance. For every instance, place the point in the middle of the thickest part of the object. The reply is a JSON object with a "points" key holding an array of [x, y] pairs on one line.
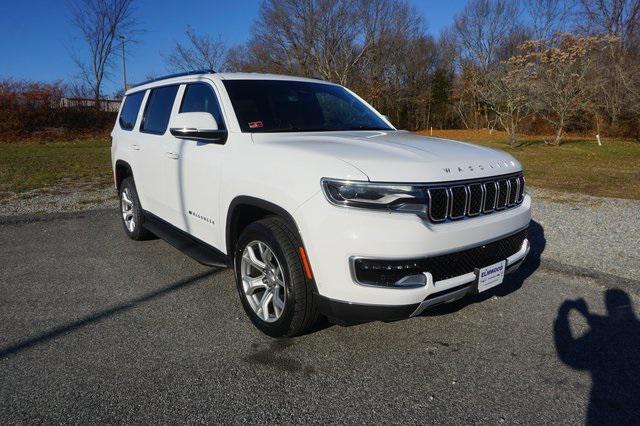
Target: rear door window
{"points": [[130, 109], [158, 110], [199, 97]]}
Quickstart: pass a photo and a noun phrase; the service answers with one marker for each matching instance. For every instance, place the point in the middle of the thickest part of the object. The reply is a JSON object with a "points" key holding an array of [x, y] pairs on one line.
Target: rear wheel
{"points": [[131, 211], [273, 288]]}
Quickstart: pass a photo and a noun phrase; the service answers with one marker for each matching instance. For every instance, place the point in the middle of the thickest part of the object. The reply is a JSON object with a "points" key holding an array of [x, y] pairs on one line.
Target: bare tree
{"points": [[474, 76], [631, 82], [558, 71], [508, 96], [620, 18], [100, 23], [200, 52], [547, 17], [482, 28], [313, 38]]}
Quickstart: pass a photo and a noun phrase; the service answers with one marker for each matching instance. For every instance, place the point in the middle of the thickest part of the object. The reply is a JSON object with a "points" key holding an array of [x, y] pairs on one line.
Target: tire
{"points": [[131, 212], [300, 311]]}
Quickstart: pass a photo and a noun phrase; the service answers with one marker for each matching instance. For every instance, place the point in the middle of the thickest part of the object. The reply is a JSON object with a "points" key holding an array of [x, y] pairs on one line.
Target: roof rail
{"points": [[180, 74]]}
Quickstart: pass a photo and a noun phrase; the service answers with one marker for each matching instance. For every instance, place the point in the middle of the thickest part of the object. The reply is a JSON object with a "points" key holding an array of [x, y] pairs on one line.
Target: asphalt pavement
{"points": [[97, 328]]}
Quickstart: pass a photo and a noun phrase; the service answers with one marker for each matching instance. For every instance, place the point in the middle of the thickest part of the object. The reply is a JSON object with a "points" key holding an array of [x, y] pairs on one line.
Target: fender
{"points": [[245, 200]]}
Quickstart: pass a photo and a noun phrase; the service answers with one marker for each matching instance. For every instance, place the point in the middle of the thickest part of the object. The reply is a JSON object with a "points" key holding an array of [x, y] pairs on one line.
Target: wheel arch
{"points": [[122, 170], [246, 209]]}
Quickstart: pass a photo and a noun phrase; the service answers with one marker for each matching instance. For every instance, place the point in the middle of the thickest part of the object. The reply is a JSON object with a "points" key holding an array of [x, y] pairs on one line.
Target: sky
{"points": [[37, 39]]}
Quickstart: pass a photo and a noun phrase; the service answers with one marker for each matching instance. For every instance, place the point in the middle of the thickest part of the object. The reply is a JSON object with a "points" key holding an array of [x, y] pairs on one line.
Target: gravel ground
{"points": [[588, 232], [56, 199]]}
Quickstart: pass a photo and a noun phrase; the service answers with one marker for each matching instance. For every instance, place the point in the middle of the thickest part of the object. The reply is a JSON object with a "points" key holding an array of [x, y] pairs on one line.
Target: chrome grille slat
{"points": [[475, 192], [491, 195], [455, 211], [455, 201], [520, 189], [503, 193], [441, 214], [513, 191]]}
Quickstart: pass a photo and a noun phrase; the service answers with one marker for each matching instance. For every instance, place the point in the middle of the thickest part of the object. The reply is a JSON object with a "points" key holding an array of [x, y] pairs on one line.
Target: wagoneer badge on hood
{"points": [[479, 167]]}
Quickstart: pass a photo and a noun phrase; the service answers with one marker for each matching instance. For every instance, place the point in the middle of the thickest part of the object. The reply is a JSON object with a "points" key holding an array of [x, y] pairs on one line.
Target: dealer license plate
{"points": [[490, 276]]}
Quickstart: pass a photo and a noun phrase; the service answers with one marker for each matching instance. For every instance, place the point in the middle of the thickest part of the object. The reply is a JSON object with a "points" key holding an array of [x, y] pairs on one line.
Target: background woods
{"points": [[532, 66], [542, 66]]}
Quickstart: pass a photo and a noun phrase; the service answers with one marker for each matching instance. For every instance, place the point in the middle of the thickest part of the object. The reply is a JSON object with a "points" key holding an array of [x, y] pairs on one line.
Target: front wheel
{"points": [[273, 288]]}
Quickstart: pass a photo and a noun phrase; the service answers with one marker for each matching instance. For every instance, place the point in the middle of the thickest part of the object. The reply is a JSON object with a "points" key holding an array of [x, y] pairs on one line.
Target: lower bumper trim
{"points": [[345, 313]]}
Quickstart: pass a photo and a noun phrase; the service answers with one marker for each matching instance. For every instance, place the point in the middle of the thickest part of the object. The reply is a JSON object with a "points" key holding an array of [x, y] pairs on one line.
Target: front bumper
{"points": [[446, 291], [333, 235]]}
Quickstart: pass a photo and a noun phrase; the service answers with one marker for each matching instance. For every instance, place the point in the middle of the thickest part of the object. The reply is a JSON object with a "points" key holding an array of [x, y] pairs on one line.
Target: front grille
{"points": [[387, 272], [458, 199]]}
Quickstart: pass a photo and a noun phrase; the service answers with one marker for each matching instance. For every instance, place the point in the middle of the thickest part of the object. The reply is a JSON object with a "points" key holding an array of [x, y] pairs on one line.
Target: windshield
{"points": [[293, 106]]}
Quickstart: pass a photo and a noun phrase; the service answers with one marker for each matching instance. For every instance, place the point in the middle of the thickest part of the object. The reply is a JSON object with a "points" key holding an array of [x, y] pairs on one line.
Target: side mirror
{"points": [[200, 126]]}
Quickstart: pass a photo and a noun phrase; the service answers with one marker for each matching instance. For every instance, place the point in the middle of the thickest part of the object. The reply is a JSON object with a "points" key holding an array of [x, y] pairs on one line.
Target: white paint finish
{"points": [[285, 169], [333, 234], [400, 156]]}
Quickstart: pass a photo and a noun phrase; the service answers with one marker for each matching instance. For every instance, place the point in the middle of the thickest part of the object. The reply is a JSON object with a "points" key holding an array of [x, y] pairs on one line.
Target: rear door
{"points": [[125, 135], [157, 161]]}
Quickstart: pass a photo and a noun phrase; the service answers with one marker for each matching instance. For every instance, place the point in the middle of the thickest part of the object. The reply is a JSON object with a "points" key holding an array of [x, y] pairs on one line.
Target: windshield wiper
{"points": [[367, 128]]}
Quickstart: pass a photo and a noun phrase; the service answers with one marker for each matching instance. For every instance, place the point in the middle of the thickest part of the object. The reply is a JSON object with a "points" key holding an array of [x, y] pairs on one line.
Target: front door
{"points": [[200, 167]]}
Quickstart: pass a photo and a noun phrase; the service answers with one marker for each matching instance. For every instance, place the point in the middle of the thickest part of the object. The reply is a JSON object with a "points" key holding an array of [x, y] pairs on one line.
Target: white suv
{"points": [[319, 204]]}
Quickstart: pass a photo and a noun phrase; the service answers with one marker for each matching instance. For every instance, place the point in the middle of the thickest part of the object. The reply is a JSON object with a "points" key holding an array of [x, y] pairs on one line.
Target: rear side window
{"points": [[199, 97], [158, 110], [130, 109]]}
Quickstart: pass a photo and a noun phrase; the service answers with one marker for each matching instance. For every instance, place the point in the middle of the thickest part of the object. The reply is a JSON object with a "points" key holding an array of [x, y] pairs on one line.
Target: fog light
{"points": [[389, 273]]}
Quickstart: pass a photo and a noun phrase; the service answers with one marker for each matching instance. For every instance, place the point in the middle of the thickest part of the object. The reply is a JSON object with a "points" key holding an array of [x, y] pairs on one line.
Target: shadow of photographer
{"points": [[610, 352]]}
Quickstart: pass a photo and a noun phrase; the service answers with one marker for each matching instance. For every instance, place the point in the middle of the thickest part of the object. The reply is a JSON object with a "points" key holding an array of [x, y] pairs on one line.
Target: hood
{"points": [[400, 156]]}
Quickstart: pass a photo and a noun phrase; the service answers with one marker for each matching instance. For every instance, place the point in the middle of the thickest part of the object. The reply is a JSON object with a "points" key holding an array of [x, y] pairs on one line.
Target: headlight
{"points": [[377, 196]]}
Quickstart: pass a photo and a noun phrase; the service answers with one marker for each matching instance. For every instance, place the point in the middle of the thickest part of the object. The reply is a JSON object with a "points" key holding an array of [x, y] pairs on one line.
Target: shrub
{"points": [[33, 109]]}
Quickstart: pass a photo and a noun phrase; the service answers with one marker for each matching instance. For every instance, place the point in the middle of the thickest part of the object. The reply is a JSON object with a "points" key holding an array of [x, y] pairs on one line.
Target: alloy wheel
{"points": [[127, 210], [263, 281]]}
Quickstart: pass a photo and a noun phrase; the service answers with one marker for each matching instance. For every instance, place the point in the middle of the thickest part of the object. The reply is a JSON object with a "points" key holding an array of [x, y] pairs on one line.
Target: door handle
{"points": [[173, 155], [135, 147]]}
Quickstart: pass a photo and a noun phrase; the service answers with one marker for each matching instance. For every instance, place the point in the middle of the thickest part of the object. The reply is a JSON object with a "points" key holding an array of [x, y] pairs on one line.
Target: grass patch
{"points": [[578, 165], [30, 166]]}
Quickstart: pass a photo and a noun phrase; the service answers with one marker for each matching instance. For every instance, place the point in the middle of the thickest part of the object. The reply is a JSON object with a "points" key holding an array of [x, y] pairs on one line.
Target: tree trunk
{"points": [[96, 94], [559, 134], [512, 135]]}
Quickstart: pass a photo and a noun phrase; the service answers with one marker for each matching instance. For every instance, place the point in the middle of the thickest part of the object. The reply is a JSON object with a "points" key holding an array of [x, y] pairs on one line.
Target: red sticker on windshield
{"points": [[255, 124]]}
